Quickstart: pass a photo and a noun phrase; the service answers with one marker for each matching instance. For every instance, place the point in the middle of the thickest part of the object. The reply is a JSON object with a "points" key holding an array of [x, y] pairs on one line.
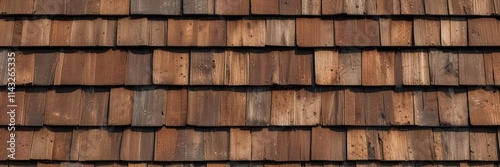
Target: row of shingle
{"points": [[264, 67], [257, 144], [246, 164], [247, 7], [254, 106], [250, 31]]}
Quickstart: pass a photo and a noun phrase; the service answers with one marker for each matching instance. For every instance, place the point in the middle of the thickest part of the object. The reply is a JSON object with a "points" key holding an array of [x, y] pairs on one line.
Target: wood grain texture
{"points": [[113, 62], [290, 7], [120, 106], [426, 107], [207, 67], [332, 106], [377, 68], [216, 144], [71, 68], [18, 7], [95, 102], [98, 150], [36, 32], [236, 67], [166, 146], [132, 32], [63, 106], [443, 66], [420, 144], [264, 143], [280, 32], [307, 109], [495, 60], [482, 32], [246, 32], [395, 31], [314, 32], [328, 144], [154, 7], [137, 144], [191, 32], [453, 31], [471, 67], [232, 7], [171, 67], [395, 145], [402, 111], [42, 146], [311, 7], [7, 31], [282, 111], [351, 31], [427, 31], [25, 59], [475, 7], [295, 67], [115, 7], [453, 106], [83, 32], [34, 106], [357, 145], [374, 106], [263, 67], [451, 144], [415, 67], [265, 7], [45, 67], [258, 111], [149, 106], [157, 31], [139, 68], [177, 106], [105, 31], [412, 7], [300, 142], [240, 144], [61, 30], [436, 7], [483, 145], [233, 106], [354, 114], [388, 7], [483, 106], [204, 105], [198, 6], [83, 7]]}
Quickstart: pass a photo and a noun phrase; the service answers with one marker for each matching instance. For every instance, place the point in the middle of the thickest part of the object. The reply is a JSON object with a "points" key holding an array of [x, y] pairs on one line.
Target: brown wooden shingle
{"points": [[139, 68], [453, 106], [232, 7], [49, 7], [26, 60], [45, 67], [334, 67], [236, 67], [71, 68], [240, 147], [258, 111], [191, 32], [401, 112], [332, 106], [115, 7], [263, 7], [18, 7], [198, 6], [177, 106], [207, 67], [388, 7], [34, 106], [149, 106], [357, 145], [171, 67], [415, 67], [154, 7], [132, 31], [377, 67], [350, 31], [482, 31], [427, 31], [290, 7], [137, 144], [420, 144], [280, 32], [314, 32], [395, 145], [311, 7], [475, 7], [120, 106], [110, 68], [453, 31], [83, 7], [246, 32], [483, 106], [471, 67], [436, 7], [61, 30], [6, 31], [396, 31], [443, 67], [451, 144], [63, 106], [35, 32], [94, 106], [233, 106], [204, 105], [412, 7], [216, 144], [328, 144], [263, 67], [106, 148], [483, 145], [295, 67]]}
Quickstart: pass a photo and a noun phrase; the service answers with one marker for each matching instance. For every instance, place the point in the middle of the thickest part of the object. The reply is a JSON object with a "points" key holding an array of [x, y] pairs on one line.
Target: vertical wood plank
{"points": [[325, 66], [63, 106], [233, 106], [194, 145], [26, 60], [453, 31], [357, 144], [427, 31], [246, 32], [328, 144], [451, 144], [71, 68], [62, 143], [204, 106], [482, 32], [42, 145], [280, 31], [139, 68], [443, 66], [177, 106], [240, 144], [395, 31], [216, 144], [332, 106], [495, 60], [61, 29], [6, 31], [98, 150], [137, 144], [171, 67], [236, 67], [36, 31], [395, 145], [307, 109], [105, 31], [120, 106], [375, 111], [258, 111], [388, 7], [83, 32], [211, 32], [264, 144], [34, 106], [484, 106], [474, 7], [402, 107], [420, 144], [45, 67], [282, 111], [295, 67], [349, 72], [311, 7], [232, 7], [354, 103], [94, 106], [149, 106], [166, 146], [377, 67], [483, 145], [290, 7], [315, 32], [415, 67], [426, 107], [300, 143], [263, 67], [453, 106], [207, 67], [471, 67], [113, 63], [115, 7]]}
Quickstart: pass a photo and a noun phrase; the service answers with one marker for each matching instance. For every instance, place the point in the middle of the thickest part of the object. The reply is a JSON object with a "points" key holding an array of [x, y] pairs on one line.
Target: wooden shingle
{"points": [[24, 136], [43, 146], [475, 7], [34, 106], [258, 111], [26, 60], [427, 31], [331, 7], [198, 6], [489, 67], [110, 68], [149, 106], [105, 31], [35, 32], [453, 31], [377, 68], [420, 144], [204, 105], [83, 7], [453, 106], [350, 31], [436, 7], [157, 31], [443, 67], [295, 67], [402, 112], [395, 145], [388, 7], [49, 7], [45, 67], [83, 32], [495, 60], [263, 67], [282, 111], [354, 114], [236, 67], [482, 31], [396, 31], [412, 7], [357, 145], [295, 107], [71, 68], [61, 30], [177, 106], [332, 106], [265, 7], [171, 67], [63, 106], [415, 67], [264, 144], [94, 106], [375, 107], [471, 67], [483, 145], [212, 32], [328, 144], [120, 106], [106, 148], [341, 67], [6, 31], [139, 68], [166, 145], [290, 7], [137, 144], [240, 147], [132, 31], [216, 144], [314, 32], [311, 7], [154, 7], [207, 67], [191, 32], [280, 32], [246, 32], [233, 106], [18, 7], [451, 144], [115, 7], [483, 106], [300, 144], [232, 7]]}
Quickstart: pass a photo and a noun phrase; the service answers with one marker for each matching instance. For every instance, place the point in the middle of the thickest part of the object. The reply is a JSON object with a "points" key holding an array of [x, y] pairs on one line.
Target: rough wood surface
{"points": [[177, 106], [63, 106], [263, 67], [426, 107], [332, 106], [34, 106], [311, 7], [36, 32], [453, 109], [60, 31], [471, 67], [204, 105], [154, 7], [232, 7], [132, 32], [350, 31], [395, 145], [290, 7], [207, 67], [120, 106], [443, 66], [236, 67], [246, 32], [482, 31], [328, 144], [314, 32], [295, 67], [426, 31], [115, 7], [137, 144], [412, 7], [233, 106], [45, 68], [395, 31], [171, 67], [240, 144], [377, 68], [149, 106], [484, 106], [263, 7], [420, 144], [436, 7], [357, 145], [106, 148], [415, 67], [451, 144], [483, 145], [454, 31], [280, 32], [258, 111], [139, 68], [475, 7], [198, 6], [94, 106]]}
